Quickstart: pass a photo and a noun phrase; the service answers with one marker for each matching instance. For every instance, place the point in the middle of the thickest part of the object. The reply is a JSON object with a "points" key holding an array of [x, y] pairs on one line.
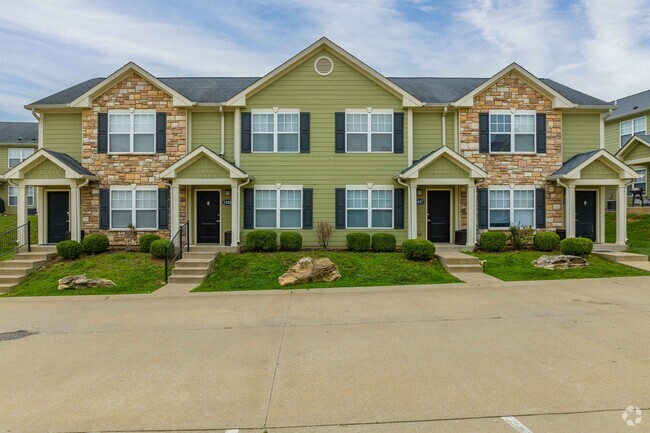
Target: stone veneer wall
{"points": [[516, 169], [118, 170]]}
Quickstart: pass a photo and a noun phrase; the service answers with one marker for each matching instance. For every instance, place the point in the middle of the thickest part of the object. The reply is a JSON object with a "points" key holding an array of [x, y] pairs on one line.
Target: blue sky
{"points": [[601, 47]]}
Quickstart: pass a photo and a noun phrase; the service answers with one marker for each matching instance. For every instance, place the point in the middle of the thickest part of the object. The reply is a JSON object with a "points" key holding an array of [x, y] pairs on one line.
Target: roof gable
{"points": [[203, 156], [574, 167], [71, 168], [413, 172], [636, 147]]}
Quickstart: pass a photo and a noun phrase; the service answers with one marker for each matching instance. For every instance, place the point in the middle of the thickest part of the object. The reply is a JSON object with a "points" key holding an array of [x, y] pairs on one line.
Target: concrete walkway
{"points": [[561, 356]]}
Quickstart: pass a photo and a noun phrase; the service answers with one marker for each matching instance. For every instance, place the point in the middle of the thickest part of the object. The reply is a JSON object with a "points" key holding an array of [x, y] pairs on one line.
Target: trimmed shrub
{"points": [[493, 242], [358, 242], [546, 241], [383, 243], [262, 240], [159, 247], [418, 249], [290, 241], [69, 249], [146, 240], [576, 246], [95, 244]]}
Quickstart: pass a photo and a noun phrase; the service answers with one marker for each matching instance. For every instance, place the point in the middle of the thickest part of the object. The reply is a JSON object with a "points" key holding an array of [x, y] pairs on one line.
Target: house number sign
{"points": [[420, 201], [227, 202]]}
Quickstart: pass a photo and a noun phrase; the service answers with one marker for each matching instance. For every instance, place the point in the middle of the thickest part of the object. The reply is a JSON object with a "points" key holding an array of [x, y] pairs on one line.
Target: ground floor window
{"points": [[13, 196], [278, 208], [134, 207], [369, 208], [511, 207], [640, 183]]}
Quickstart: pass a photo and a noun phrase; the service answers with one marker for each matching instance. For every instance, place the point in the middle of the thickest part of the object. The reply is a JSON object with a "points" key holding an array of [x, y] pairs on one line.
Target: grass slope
{"points": [[8, 222], [638, 232]]}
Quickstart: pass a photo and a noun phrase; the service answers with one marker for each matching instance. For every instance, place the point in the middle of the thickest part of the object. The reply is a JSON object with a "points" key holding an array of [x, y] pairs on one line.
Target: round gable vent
{"points": [[323, 66]]}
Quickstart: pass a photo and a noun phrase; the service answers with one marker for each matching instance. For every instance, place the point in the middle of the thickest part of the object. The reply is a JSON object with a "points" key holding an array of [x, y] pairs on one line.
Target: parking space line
{"points": [[515, 424]]}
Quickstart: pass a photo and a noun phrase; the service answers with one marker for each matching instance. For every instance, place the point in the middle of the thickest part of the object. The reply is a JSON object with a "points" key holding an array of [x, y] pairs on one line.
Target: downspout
{"points": [[409, 207], [444, 127], [239, 199], [223, 131], [40, 127]]}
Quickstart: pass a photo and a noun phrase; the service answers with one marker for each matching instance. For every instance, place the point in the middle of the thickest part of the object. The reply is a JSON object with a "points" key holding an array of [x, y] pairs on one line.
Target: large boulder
{"points": [[560, 262], [309, 270], [81, 282]]}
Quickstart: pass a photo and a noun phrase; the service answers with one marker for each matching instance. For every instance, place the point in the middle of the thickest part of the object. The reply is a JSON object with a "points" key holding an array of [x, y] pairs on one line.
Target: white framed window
{"points": [[278, 208], [640, 183], [276, 132], [512, 132], [369, 208], [18, 155], [508, 207], [134, 206], [132, 132], [369, 132], [12, 196], [631, 127]]}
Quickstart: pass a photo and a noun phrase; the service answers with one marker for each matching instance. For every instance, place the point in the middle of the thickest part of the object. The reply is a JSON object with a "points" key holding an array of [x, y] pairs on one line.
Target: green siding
{"points": [[613, 130], [204, 168], [640, 151], [62, 133], [323, 169], [580, 134], [427, 133], [450, 125], [598, 170], [443, 168], [46, 170], [206, 130]]}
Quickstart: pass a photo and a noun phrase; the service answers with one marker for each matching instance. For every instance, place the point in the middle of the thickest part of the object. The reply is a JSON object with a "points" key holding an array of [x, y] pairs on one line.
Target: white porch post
{"points": [[21, 207], [602, 208], [471, 214], [74, 214], [234, 208], [40, 211], [621, 214], [570, 208], [413, 211], [176, 207]]}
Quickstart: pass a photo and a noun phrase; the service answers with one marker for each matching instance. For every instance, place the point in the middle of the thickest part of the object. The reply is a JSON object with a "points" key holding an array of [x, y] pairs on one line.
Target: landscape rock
{"points": [[309, 270], [560, 262], [82, 282]]}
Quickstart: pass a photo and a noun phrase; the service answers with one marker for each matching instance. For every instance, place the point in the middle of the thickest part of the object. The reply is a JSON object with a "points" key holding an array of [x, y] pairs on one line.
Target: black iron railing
{"points": [[175, 248], [15, 239]]}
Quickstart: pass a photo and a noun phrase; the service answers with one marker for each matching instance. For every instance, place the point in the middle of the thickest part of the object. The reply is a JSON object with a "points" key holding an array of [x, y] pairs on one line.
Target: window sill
{"points": [[516, 153], [130, 153], [136, 229], [366, 152]]}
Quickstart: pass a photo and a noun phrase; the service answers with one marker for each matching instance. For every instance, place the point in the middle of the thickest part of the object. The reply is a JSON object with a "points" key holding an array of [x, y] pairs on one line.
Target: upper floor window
{"points": [[369, 208], [132, 132], [13, 196], [138, 207], [18, 155], [511, 207], [369, 132], [276, 131], [278, 208], [512, 132], [631, 127]]}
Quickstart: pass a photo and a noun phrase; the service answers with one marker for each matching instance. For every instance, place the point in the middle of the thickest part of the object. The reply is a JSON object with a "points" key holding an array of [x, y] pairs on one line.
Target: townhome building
{"points": [[18, 141], [321, 138]]}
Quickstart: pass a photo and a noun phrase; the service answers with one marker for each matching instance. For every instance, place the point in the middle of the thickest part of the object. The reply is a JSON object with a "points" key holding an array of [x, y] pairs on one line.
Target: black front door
{"points": [[208, 225], [586, 214], [58, 216], [438, 216]]}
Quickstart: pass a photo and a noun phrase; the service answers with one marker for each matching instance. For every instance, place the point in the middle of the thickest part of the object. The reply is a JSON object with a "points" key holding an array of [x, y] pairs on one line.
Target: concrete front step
{"points": [[461, 269], [621, 257], [20, 264], [191, 271], [198, 255], [43, 249], [193, 263], [458, 262], [213, 248], [12, 279], [186, 279], [35, 256], [609, 247]]}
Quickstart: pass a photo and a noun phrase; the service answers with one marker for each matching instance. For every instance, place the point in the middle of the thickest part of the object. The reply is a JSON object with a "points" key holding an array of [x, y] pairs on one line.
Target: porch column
{"points": [[471, 214], [621, 214], [74, 214], [234, 208], [602, 209], [176, 208], [40, 211], [570, 209], [21, 207], [413, 211]]}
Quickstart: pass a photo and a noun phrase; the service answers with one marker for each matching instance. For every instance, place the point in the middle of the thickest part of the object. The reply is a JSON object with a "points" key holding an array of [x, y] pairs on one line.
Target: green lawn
{"points": [[638, 232], [260, 271], [8, 222], [131, 272], [517, 266]]}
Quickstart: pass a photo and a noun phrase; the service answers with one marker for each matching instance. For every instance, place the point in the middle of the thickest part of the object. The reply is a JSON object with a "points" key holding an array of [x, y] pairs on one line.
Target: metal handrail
{"points": [[175, 247], [16, 238]]}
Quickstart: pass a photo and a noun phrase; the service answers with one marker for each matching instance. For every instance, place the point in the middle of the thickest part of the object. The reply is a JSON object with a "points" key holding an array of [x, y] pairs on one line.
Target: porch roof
{"points": [[413, 171], [636, 150], [574, 167], [71, 168], [201, 153]]}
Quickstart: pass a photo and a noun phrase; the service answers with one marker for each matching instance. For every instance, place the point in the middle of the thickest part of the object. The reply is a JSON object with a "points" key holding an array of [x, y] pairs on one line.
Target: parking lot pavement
{"points": [[549, 357]]}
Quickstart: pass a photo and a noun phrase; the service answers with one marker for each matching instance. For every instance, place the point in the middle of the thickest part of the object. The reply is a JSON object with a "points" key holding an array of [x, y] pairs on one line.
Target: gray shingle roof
{"points": [[631, 104], [70, 162], [70, 94], [574, 162], [209, 89], [573, 95], [19, 133]]}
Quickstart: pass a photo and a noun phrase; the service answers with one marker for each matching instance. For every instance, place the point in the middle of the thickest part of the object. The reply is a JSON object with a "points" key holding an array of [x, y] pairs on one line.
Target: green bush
{"points": [[546, 241], [159, 247], [418, 249], [492, 241], [95, 244], [262, 240], [576, 246], [358, 242], [69, 249], [383, 243], [146, 240], [290, 241], [520, 236]]}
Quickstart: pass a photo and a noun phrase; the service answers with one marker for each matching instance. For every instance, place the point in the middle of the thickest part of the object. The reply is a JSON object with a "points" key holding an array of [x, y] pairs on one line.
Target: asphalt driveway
{"points": [[540, 357]]}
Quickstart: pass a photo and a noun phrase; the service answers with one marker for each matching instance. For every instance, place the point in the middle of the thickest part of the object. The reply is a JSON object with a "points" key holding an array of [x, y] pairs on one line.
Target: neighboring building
{"points": [[18, 141], [323, 137], [627, 135]]}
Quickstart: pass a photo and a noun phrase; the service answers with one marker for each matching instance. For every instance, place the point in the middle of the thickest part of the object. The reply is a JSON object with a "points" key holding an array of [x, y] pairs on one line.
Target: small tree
{"points": [[323, 233], [131, 237], [520, 236]]}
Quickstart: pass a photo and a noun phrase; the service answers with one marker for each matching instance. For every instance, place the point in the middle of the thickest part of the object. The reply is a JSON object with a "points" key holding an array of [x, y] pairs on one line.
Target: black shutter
{"points": [[304, 132], [398, 210], [483, 208], [484, 133], [246, 136], [161, 132], [249, 208], [104, 209], [163, 208], [339, 124], [340, 208], [307, 208], [102, 132], [541, 133], [540, 208], [398, 133]]}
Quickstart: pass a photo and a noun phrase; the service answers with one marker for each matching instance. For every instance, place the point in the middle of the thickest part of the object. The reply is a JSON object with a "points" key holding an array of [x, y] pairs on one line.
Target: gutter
{"points": [[239, 199], [223, 131]]}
